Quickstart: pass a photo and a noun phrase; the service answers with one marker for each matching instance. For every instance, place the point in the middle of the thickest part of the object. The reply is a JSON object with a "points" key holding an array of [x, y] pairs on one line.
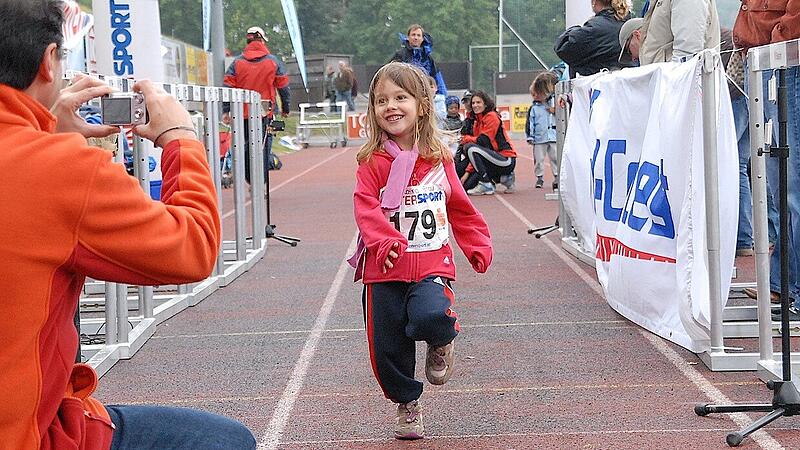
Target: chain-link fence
{"points": [[530, 28]]}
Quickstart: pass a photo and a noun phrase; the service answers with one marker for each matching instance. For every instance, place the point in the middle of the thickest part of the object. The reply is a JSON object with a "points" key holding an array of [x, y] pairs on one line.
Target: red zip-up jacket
{"points": [[488, 132], [466, 223], [69, 212], [259, 70]]}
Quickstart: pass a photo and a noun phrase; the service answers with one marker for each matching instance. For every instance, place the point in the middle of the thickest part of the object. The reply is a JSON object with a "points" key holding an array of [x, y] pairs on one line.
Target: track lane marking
{"points": [[271, 437], [273, 189], [699, 380]]}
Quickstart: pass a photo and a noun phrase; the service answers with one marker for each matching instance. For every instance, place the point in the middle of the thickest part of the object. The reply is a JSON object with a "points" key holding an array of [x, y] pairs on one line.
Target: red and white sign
{"points": [[356, 126]]}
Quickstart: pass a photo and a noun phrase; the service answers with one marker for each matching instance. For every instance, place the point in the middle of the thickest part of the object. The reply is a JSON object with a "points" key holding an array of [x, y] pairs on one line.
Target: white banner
{"points": [[128, 38], [632, 179]]}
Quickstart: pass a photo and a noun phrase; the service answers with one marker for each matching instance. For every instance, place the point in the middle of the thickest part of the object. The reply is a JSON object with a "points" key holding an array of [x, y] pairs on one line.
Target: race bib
{"points": [[422, 218]]}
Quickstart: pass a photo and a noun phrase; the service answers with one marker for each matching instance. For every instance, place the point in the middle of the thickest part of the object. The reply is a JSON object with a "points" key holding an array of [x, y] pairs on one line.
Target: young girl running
{"points": [[407, 202]]}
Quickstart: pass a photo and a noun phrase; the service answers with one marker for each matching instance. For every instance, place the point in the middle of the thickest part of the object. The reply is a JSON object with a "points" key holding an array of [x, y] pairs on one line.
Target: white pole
{"points": [[500, 38], [758, 167], [712, 197]]}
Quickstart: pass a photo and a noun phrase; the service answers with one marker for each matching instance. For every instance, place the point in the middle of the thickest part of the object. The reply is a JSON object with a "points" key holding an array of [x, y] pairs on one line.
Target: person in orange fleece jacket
{"points": [[69, 212]]}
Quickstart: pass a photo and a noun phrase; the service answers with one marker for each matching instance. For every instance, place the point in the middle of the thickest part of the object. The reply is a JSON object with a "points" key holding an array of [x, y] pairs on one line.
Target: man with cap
{"points": [[630, 39], [257, 69]]}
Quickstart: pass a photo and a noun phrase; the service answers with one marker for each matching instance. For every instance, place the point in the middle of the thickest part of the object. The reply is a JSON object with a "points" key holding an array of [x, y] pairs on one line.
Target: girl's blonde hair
{"points": [[621, 7], [428, 137]]}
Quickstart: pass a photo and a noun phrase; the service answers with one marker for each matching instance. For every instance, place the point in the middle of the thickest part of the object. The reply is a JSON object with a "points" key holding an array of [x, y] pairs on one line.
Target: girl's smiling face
{"points": [[396, 111]]}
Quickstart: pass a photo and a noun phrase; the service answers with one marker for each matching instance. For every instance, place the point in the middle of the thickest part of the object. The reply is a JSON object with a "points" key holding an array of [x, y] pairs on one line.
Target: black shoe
{"points": [[794, 314], [539, 183], [555, 185]]}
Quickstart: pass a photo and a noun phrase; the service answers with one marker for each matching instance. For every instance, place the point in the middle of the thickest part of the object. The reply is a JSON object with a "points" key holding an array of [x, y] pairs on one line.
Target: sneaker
{"points": [[539, 183], [555, 185], [439, 363], [794, 315], [745, 251], [508, 182], [483, 188], [409, 421], [774, 297]]}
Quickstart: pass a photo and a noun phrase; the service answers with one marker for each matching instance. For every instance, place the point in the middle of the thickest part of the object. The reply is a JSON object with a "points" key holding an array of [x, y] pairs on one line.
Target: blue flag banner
{"points": [[294, 33]]}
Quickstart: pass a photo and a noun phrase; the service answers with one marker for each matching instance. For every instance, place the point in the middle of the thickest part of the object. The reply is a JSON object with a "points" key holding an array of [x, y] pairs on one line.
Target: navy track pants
{"points": [[398, 314]]}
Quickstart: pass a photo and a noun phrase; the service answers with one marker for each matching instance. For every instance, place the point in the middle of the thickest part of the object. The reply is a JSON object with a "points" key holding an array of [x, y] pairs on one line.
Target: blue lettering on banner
{"points": [[121, 37], [647, 185]]}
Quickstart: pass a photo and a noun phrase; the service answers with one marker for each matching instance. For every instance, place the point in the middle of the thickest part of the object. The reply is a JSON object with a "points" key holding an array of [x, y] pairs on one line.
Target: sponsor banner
{"points": [[196, 66], [505, 116], [128, 38], [356, 126], [632, 179], [519, 115]]}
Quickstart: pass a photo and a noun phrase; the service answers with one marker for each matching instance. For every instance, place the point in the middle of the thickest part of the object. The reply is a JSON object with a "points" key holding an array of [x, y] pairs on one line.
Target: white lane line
{"points": [[701, 382], [273, 189], [429, 438], [361, 330], [282, 412]]}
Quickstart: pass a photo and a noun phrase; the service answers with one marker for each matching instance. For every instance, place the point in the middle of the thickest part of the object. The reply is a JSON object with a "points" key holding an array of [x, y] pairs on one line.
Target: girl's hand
{"points": [[388, 264]]}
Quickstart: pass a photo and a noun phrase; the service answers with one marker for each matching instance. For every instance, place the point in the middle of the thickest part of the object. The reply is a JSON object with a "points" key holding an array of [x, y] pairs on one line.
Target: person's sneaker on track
{"points": [[409, 421], [439, 363]]}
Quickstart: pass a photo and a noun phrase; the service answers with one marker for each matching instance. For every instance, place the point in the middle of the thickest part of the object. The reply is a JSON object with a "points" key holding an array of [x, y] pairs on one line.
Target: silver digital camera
{"points": [[123, 108]]}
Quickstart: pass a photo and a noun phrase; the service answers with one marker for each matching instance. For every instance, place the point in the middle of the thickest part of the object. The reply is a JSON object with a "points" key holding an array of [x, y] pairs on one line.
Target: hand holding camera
{"points": [[79, 91], [168, 120]]}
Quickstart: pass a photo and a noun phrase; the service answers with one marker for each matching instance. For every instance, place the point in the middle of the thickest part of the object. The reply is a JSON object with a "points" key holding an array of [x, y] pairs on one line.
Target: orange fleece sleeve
{"points": [[124, 236]]}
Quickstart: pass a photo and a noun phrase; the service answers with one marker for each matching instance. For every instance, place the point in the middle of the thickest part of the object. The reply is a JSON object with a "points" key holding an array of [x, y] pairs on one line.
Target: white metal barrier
{"points": [[116, 319]]}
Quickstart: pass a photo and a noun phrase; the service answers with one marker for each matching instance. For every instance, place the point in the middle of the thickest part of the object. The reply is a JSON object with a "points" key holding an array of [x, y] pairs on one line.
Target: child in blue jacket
{"points": [[540, 128]]}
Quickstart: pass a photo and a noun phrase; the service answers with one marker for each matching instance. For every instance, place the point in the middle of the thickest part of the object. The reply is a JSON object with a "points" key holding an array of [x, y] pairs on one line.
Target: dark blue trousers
{"points": [[398, 314], [141, 427]]}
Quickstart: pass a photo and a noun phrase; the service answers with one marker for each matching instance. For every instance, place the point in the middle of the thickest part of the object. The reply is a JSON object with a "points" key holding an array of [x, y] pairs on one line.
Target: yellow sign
{"points": [[197, 66], [519, 114]]}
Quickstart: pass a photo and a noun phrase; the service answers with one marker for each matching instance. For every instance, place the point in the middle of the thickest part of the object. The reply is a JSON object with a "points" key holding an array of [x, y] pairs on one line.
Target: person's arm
{"points": [[282, 85], [469, 227], [490, 124], [379, 235], [124, 236], [689, 23], [575, 45], [788, 27]]}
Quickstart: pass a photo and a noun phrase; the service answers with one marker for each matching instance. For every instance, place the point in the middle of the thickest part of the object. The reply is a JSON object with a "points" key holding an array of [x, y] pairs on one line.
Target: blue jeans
{"points": [[744, 236], [146, 427], [793, 191], [347, 97]]}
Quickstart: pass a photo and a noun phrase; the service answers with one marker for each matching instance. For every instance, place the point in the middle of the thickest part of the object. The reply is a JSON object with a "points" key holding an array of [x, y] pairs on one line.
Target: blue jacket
{"points": [[421, 57], [541, 124]]}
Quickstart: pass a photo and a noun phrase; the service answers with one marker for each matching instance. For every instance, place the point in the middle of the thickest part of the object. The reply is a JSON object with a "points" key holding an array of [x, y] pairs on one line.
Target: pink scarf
{"points": [[399, 175]]}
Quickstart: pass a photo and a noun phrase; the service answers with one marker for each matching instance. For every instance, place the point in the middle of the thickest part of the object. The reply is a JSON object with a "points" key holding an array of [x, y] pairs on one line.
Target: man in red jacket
{"points": [[69, 212], [257, 69]]}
